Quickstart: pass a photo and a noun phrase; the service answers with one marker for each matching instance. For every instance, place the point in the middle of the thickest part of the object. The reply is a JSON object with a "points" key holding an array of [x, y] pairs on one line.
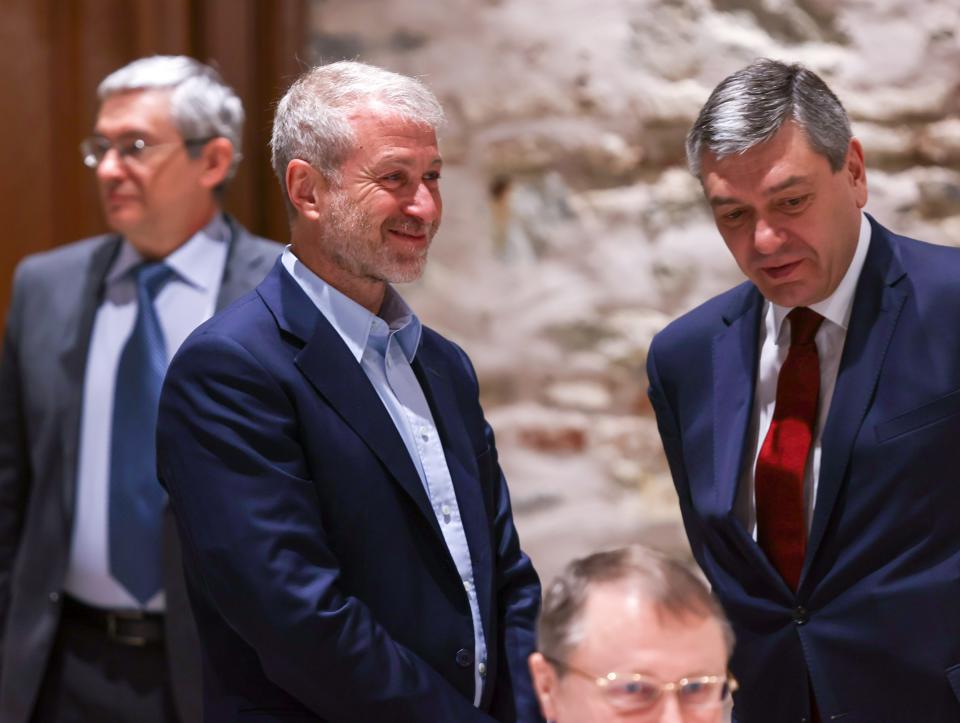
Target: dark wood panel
{"points": [[54, 54]]}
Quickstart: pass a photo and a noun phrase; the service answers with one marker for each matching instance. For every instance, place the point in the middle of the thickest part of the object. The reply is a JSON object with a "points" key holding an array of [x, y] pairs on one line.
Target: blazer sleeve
{"points": [[254, 542], [14, 455], [518, 602], [672, 440], [517, 589]]}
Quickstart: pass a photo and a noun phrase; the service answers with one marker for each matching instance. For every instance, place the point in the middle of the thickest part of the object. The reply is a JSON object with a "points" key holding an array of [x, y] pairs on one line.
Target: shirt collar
{"points": [[197, 262], [356, 325], [838, 306]]}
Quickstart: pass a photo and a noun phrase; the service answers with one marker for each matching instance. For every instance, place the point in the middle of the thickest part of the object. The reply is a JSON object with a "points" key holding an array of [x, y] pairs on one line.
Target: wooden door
{"points": [[54, 54]]}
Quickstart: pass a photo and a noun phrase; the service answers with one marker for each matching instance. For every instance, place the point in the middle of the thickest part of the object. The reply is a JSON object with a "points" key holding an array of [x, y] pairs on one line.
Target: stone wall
{"points": [[572, 231]]}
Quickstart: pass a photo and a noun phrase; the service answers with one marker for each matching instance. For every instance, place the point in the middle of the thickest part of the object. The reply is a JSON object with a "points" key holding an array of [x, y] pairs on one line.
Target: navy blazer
{"points": [[875, 621], [319, 577]]}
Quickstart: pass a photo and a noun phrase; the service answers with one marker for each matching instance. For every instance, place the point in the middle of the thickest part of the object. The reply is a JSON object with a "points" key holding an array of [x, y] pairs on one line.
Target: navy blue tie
{"points": [[136, 498]]}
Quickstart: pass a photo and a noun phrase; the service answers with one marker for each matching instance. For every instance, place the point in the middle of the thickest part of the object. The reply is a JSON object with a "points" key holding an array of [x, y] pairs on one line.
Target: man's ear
{"points": [[306, 189], [216, 156], [856, 170], [545, 684]]}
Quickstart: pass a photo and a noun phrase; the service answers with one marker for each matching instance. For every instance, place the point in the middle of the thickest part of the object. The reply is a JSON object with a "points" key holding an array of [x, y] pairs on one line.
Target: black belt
{"points": [[127, 627]]}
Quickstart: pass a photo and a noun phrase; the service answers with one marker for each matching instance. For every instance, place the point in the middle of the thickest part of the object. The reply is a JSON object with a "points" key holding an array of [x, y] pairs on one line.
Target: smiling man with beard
{"points": [[349, 542]]}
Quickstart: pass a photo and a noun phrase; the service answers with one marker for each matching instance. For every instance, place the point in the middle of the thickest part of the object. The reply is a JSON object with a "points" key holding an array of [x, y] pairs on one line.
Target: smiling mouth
{"points": [[410, 235]]}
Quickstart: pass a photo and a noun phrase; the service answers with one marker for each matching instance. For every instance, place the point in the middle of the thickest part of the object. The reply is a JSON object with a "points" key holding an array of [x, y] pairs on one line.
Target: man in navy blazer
{"points": [[869, 631], [348, 539]]}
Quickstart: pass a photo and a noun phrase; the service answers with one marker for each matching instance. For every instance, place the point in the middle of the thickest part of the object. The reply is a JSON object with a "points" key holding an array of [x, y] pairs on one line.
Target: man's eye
{"points": [[795, 202], [733, 215], [132, 149], [393, 177], [432, 177]]}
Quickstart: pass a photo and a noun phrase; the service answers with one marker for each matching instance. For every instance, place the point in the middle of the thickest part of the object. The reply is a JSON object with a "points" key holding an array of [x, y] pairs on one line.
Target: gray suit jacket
{"points": [[55, 297]]}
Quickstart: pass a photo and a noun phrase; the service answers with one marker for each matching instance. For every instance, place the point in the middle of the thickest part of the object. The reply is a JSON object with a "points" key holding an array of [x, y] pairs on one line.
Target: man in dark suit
{"points": [[349, 544], [96, 624], [810, 418]]}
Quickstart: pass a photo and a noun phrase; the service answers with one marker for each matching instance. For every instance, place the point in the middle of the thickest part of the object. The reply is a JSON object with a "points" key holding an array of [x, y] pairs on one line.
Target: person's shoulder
{"points": [[249, 242], [933, 258], [703, 322], [70, 258]]}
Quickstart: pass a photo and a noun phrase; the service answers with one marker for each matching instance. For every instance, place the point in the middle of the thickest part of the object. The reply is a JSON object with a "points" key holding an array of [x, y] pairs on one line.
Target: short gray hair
{"points": [[312, 121], [201, 104], [667, 583], [750, 106]]}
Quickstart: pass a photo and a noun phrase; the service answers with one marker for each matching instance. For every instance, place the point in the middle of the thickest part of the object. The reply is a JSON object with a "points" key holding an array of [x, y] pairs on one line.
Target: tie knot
{"points": [[804, 323], [151, 275]]}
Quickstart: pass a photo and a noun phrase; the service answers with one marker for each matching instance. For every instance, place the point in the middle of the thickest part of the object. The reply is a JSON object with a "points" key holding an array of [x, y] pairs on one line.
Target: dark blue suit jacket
{"points": [[320, 580], [875, 622]]}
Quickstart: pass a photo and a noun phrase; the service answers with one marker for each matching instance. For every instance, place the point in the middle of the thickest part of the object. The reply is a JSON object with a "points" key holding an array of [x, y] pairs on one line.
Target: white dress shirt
{"points": [[385, 347], [774, 344], [185, 301]]}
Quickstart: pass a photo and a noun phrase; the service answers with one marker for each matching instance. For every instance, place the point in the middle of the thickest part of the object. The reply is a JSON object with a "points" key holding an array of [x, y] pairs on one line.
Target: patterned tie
{"points": [[136, 498], [781, 525]]}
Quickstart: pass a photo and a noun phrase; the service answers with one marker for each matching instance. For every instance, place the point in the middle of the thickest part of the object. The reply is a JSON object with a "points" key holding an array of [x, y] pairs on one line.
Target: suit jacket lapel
{"points": [[73, 356], [876, 308], [333, 371], [460, 461]]}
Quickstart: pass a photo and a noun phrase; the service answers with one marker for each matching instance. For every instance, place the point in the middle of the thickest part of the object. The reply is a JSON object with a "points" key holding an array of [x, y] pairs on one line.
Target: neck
{"points": [[158, 242], [366, 291]]}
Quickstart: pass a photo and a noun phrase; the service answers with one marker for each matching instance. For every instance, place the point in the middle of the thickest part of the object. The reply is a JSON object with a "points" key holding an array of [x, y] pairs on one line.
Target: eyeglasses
{"points": [[133, 150], [636, 692]]}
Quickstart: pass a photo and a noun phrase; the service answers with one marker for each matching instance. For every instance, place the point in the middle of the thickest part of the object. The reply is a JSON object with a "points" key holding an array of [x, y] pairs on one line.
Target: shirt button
{"points": [[464, 658], [445, 510], [468, 585], [482, 669], [800, 615]]}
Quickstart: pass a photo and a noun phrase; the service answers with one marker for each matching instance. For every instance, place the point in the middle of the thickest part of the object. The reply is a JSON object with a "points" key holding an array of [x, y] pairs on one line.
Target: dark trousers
{"points": [[92, 679]]}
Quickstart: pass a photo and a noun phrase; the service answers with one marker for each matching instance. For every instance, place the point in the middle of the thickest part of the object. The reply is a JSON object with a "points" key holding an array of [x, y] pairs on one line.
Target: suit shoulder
{"points": [[703, 322], [66, 259], [930, 260]]}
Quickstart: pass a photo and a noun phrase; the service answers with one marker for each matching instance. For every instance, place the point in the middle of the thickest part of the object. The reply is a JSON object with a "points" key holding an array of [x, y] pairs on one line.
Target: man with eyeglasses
{"points": [[96, 624], [631, 635]]}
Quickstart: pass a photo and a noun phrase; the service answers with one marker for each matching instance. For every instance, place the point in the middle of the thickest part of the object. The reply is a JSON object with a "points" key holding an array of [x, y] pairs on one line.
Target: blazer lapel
{"points": [[73, 357], [876, 308], [329, 366], [462, 465]]}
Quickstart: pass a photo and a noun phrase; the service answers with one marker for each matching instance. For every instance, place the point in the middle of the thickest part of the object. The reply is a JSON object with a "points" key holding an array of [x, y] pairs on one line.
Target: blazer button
{"points": [[54, 597], [464, 658], [800, 615]]}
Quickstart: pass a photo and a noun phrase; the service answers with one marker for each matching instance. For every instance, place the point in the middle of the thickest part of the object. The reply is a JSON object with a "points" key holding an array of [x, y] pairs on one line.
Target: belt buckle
{"points": [[114, 634]]}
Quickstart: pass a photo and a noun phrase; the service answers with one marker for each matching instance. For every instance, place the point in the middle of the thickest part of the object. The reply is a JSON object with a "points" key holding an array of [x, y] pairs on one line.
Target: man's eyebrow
{"points": [[403, 160], [785, 184], [782, 186], [723, 201]]}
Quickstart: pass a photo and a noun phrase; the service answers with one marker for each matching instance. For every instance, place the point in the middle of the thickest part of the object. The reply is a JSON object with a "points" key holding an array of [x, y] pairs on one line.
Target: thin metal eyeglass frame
{"points": [[603, 682], [88, 148]]}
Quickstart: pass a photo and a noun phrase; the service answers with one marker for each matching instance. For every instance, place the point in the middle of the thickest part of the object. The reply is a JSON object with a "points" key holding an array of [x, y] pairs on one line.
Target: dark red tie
{"points": [[781, 525]]}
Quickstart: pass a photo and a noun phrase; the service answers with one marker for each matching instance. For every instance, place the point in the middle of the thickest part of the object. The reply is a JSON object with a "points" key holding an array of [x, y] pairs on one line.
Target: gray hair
{"points": [[750, 106], [201, 104], [312, 120], [668, 584]]}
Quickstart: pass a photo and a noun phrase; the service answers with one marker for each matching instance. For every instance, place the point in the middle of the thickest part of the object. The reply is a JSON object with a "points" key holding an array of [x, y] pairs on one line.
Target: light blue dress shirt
{"points": [[184, 302], [385, 347]]}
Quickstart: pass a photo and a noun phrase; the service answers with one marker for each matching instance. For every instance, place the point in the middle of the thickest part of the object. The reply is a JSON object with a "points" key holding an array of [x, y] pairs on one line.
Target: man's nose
{"points": [[424, 205], [670, 712], [110, 166], [766, 238]]}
